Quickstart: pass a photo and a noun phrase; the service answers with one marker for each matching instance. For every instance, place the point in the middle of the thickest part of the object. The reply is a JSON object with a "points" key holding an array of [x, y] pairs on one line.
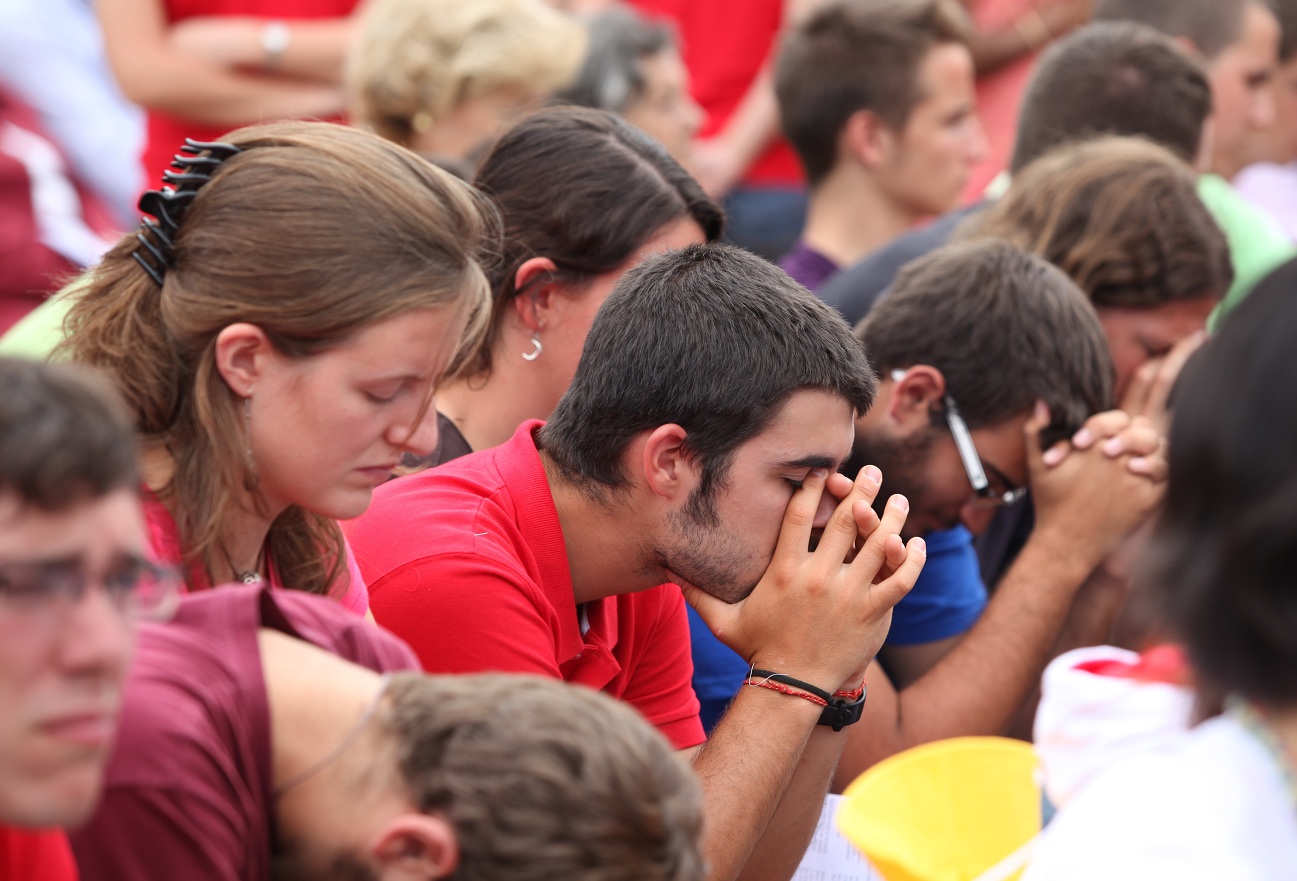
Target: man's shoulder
{"points": [[446, 509], [494, 506]]}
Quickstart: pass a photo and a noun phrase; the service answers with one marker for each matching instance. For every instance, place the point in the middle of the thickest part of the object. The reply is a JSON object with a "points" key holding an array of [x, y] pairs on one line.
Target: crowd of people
{"points": [[509, 440]]}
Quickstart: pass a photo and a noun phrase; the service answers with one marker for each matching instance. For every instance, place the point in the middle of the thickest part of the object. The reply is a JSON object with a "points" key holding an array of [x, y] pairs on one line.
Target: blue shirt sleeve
{"points": [[718, 671], [949, 595]]}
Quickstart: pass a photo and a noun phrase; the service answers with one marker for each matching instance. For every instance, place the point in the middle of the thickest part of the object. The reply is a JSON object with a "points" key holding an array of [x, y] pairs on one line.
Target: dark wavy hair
{"points": [[584, 188], [1225, 549]]}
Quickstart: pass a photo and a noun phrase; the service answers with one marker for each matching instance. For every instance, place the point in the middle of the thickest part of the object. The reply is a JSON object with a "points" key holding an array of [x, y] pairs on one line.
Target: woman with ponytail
{"points": [[278, 333]]}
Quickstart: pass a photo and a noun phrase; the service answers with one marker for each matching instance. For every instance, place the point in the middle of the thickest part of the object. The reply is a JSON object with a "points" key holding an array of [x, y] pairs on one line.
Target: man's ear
{"points": [[415, 847], [534, 293], [914, 395], [668, 472], [242, 352], [867, 138]]}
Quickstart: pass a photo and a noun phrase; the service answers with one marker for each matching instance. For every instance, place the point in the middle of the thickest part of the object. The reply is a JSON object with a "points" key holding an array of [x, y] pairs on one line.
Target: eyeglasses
{"points": [[984, 496], [134, 586]]}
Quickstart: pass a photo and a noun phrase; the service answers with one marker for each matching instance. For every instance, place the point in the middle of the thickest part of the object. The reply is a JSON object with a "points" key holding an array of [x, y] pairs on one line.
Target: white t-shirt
{"points": [[1213, 807]]}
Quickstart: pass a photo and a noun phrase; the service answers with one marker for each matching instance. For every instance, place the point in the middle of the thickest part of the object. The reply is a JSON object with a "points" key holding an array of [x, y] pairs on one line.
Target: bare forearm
{"points": [[156, 75], [780, 851], [981, 683], [1094, 614], [755, 122], [313, 49], [222, 98], [762, 762]]}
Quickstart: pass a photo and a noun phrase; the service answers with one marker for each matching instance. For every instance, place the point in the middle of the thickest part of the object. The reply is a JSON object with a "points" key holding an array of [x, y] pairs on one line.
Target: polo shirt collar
{"points": [[519, 464]]}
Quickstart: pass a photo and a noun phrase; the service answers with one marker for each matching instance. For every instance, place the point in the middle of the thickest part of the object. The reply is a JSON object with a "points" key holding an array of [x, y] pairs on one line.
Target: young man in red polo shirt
{"points": [[714, 399]]}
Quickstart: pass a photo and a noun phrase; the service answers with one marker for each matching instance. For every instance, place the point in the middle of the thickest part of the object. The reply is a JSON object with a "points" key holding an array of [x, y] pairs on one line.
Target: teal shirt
{"points": [[1256, 243]]}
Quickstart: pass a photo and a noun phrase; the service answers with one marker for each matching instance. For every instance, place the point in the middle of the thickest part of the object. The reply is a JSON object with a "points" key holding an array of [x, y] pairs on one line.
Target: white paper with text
{"points": [[831, 857]]}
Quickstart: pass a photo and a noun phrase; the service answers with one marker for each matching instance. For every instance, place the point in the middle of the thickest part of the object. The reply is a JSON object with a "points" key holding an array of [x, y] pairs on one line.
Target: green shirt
{"points": [[1256, 243]]}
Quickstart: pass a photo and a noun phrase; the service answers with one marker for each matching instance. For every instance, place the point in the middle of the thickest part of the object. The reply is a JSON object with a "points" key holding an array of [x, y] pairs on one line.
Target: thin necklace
{"points": [[1254, 721], [250, 576]]}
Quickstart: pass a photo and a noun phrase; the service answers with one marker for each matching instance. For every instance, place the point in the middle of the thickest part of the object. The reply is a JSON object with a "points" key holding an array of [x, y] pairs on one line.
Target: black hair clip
{"points": [[194, 166]]}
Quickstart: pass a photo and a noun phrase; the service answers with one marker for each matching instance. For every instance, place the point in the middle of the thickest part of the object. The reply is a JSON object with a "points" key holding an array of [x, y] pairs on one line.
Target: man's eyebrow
{"points": [[812, 461]]}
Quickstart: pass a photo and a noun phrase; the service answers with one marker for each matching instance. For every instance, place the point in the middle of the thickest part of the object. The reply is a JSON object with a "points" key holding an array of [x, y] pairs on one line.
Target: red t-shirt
{"points": [[165, 133], [189, 787], [27, 855], [723, 44], [467, 563]]}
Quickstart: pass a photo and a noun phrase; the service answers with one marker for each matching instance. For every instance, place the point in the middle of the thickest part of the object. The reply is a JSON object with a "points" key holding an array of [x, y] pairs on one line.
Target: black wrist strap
{"points": [[838, 713], [785, 679]]}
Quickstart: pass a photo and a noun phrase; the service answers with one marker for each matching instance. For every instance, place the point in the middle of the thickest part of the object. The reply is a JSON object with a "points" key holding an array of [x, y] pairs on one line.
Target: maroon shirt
{"points": [[189, 786]]}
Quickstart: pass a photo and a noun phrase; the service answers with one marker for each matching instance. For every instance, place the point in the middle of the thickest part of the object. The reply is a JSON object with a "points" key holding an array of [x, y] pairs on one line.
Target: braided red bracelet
{"points": [[841, 708], [784, 689], [854, 694]]}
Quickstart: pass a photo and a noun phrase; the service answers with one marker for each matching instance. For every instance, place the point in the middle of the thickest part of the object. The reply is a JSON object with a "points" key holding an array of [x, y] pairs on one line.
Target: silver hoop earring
{"points": [[535, 352]]}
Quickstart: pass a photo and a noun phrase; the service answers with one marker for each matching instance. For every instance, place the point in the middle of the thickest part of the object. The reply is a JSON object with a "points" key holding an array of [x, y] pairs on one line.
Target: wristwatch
{"points": [[840, 712]]}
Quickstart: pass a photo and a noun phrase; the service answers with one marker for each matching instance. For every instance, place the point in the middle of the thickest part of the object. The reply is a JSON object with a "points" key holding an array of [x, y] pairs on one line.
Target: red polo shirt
{"points": [[466, 562]]}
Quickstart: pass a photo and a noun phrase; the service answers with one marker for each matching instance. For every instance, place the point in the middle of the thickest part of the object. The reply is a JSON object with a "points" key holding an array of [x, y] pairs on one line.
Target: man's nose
{"points": [[1263, 110], [976, 518], [97, 637], [828, 504], [420, 439]]}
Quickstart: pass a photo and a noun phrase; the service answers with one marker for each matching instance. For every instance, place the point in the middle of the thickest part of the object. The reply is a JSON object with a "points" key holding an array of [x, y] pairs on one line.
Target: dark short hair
{"points": [[586, 189], [1225, 548], [1286, 12], [1121, 216], [711, 338], [1113, 78], [1004, 327], [853, 55], [611, 77], [1210, 25], [65, 436], [544, 781]]}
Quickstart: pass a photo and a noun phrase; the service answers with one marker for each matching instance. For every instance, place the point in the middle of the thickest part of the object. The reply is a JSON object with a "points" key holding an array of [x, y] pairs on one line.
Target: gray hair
{"points": [[611, 77]]}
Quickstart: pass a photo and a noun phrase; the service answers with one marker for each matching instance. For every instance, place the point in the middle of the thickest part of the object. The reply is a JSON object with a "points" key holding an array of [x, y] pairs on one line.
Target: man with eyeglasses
{"points": [[991, 359], [73, 578]]}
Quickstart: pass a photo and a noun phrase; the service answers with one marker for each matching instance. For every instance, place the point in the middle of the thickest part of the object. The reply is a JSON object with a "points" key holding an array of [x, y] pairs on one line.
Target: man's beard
{"points": [[703, 554], [904, 463]]}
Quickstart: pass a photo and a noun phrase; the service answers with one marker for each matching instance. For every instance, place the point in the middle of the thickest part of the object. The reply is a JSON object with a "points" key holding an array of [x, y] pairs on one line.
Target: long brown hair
{"points": [[311, 233], [1121, 216]]}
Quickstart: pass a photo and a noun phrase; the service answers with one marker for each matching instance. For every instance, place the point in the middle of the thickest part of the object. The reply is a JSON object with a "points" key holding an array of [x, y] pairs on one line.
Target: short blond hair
{"points": [[418, 59]]}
